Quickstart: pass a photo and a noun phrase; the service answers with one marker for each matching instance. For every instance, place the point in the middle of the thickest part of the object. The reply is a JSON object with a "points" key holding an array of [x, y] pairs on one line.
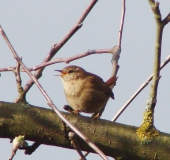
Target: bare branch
{"points": [[50, 102], [7, 69], [122, 23], [21, 98], [17, 142], [115, 66], [117, 50], [147, 131], [18, 78], [75, 144], [138, 91], [85, 155], [69, 59], [58, 46], [155, 8], [166, 20], [59, 60], [157, 59]]}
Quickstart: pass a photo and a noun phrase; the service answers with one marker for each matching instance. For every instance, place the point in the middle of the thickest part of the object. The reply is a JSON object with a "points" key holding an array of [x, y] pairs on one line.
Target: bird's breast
{"points": [[72, 88], [84, 96]]}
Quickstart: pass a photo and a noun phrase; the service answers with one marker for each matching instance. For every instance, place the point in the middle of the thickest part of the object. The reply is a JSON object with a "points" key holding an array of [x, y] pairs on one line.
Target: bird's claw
{"points": [[95, 116], [71, 110]]}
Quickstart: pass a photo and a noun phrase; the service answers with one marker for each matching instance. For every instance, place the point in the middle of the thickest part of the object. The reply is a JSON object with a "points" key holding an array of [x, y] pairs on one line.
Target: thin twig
{"points": [[85, 155], [117, 49], [59, 60], [18, 78], [115, 66], [8, 69], [16, 144], [69, 59], [50, 102], [157, 56], [21, 98], [166, 20], [155, 8], [138, 91], [58, 46], [75, 144], [122, 23]]}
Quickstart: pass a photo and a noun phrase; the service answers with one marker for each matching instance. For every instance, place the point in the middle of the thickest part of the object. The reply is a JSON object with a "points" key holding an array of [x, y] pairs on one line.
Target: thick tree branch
{"points": [[43, 126]]}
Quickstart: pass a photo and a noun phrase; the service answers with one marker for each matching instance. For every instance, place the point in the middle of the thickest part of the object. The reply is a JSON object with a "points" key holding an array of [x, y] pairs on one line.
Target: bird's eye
{"points": [[70, 71]]}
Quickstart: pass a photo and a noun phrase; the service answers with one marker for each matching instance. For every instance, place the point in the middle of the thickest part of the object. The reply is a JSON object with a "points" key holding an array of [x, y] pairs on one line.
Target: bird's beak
{"points": [[60, 72]]}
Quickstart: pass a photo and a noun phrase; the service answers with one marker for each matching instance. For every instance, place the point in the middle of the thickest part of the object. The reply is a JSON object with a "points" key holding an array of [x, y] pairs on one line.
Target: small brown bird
{"points": [[84, 91]]}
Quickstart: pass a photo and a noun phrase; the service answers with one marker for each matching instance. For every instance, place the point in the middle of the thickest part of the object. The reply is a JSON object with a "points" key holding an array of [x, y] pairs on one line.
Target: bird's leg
{"points": [[71, 110], [97, 115]]}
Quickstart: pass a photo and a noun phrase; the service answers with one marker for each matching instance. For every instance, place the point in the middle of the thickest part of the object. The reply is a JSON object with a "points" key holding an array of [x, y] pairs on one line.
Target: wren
{"points": [[84, 91]]}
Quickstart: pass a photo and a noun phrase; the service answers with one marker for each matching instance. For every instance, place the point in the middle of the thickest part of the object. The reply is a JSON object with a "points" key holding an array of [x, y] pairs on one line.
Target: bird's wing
{"points": [[98, 83]]}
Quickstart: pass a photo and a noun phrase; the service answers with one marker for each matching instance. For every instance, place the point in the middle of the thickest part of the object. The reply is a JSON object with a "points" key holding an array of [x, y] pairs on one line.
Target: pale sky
{"points": [[34, 26]]}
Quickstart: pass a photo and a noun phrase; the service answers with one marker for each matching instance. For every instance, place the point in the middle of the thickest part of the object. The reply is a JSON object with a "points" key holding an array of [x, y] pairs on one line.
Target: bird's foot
{"points": [[95, 116], [71, 110]]}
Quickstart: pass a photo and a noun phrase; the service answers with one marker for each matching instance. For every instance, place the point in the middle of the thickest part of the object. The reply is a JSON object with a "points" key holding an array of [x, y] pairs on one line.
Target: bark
{"points": [[114, 139]]}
